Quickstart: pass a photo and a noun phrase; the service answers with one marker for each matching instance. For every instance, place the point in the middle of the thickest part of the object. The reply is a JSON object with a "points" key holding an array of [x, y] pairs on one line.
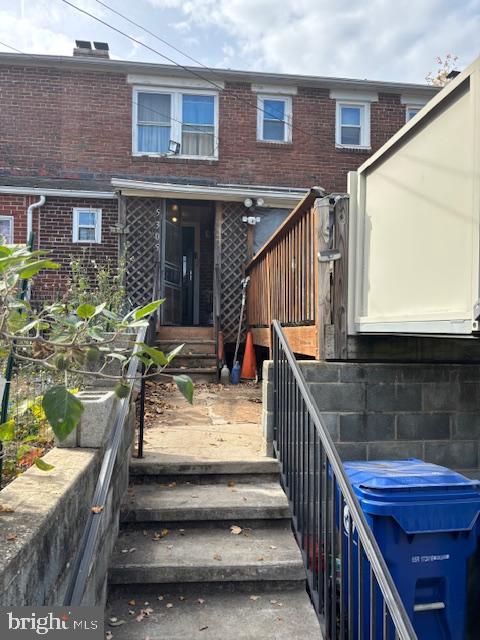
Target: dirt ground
{"points": [[224, 422]]}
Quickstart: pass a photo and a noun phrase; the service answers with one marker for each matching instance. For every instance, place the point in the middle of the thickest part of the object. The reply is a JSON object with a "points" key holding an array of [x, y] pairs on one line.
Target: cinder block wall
{"points": [[391, 411]]}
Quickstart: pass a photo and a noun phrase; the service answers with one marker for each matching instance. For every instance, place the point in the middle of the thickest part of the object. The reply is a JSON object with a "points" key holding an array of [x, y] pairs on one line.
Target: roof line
{"points": [[127, 66]]}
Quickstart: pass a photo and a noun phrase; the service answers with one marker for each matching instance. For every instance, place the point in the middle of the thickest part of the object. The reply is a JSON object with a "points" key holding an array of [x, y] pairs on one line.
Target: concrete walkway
{"points": [[224, 423]]}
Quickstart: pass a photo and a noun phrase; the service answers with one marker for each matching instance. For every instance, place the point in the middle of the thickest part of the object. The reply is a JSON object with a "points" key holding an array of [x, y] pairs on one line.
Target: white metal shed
{"points": [[414, 238]]}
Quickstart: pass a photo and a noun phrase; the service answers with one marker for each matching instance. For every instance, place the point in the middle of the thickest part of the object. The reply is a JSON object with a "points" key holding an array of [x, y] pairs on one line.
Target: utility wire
{"points": [[9, 46], [178, 64]]}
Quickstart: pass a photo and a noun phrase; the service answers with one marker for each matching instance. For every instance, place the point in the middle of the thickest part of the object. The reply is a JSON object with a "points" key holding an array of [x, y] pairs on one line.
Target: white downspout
{"points": [[30, 209]]}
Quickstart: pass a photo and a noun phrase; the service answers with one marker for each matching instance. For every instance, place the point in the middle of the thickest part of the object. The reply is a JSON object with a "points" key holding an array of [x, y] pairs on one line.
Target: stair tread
{"points": [[214, 501], [158, 463], [202, 553], [272, 615], [189, 341], [212, 369]]}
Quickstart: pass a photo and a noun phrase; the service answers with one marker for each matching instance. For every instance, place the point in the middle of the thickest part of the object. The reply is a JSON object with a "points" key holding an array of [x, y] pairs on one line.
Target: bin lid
{"points": [[421, 496]]}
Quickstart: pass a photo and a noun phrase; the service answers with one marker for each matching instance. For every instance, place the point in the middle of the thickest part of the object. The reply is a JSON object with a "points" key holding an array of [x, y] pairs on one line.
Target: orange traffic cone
{"points": [[249, 364]]}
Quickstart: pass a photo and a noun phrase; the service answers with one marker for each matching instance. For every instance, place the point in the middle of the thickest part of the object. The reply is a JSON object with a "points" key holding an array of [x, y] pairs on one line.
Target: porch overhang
{"points": [[272, 197]]}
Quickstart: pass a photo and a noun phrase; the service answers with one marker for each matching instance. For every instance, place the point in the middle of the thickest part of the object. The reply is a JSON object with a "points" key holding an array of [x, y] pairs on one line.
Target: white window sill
{"points": [[352, 146], [86, 242], [274, 141], [172, 155]]}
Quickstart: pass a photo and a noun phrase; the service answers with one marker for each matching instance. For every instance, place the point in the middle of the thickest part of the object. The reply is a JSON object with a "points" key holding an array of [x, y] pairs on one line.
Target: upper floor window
{"points": [[6, 229], [274, 119], [87, 225], [353, 124], [410, 112], [172, 122]]}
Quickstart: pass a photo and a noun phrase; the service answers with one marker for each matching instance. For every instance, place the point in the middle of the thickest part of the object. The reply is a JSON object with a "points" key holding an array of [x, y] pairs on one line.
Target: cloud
{"points": [[380, 39]]}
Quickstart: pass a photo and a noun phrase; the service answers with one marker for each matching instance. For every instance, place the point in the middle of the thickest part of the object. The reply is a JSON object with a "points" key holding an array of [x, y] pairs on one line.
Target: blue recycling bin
{"points": [[425, 519]]}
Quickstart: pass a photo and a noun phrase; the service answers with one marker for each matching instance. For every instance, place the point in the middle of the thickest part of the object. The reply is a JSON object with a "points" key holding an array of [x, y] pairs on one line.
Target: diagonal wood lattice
{"points": [[233, 259], [142, 248]]}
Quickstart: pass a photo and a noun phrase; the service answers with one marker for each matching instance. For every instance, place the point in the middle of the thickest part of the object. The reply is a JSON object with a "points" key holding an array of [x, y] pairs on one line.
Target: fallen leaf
{"points": [[160, 597], [158, 535], [113, 619], [140, 617], [131, 613], [203, 628], [181, 597], [217, 556], [97, 509], [272, 546], [169, 605], [236, 530], [11, 537], [108, 635], [231, 483], [116, 623], [169, 546], [254, 597], [132, 550], [201, 601], [172, 485], [132, 602], [4, 508], [260, 558]]}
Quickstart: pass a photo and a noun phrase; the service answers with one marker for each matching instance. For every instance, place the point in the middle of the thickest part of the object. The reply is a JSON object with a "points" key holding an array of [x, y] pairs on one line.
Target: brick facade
{"points": [[74, 124]]}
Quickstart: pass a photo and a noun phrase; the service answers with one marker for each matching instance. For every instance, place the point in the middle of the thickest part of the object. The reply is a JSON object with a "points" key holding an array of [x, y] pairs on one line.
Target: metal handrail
{"points": [[88, 544], [403, 626]]}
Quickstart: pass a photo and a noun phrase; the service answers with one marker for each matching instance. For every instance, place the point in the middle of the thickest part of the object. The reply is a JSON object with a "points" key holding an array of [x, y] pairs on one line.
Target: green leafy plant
{"points": [[65, 338]]}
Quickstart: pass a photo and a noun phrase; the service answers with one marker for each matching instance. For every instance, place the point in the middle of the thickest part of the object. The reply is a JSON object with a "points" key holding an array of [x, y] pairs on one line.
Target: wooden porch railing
{"points": [[289, 282]]}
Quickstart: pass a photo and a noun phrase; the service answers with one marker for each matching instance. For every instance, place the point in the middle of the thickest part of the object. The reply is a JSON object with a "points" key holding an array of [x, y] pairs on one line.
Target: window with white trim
{"points": [[353, 125], [274, 118], [87, 225], [183, 123], [411, 111], [6, 229]]}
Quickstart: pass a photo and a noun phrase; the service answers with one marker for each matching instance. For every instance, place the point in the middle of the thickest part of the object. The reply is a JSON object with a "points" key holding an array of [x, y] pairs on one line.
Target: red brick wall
{"points": [[53, 226], [65, 124]]}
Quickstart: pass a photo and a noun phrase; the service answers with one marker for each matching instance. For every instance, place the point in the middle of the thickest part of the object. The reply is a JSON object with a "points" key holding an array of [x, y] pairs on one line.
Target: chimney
{"points": [[84, 48]]}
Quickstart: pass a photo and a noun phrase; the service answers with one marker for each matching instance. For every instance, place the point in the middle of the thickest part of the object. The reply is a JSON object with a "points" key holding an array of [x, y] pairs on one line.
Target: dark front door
{"points": [[171, 263]]}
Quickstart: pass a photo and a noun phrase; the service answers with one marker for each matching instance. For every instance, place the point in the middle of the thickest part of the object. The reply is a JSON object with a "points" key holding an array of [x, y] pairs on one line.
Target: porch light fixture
{"points": [[248, 202], [260, 202], [174, 147], [251, 220]]}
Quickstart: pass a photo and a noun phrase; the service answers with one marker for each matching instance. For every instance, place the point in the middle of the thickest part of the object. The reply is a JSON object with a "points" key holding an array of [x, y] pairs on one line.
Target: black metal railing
{"points": [[350, 584], [85, 556]]}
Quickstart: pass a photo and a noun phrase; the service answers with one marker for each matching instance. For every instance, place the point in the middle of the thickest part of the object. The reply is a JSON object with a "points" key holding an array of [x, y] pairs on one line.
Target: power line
{"points": [[9, 46], [178, 64]]}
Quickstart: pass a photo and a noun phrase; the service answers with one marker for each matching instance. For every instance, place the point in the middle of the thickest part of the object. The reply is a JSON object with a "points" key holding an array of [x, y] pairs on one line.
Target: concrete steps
{"points": [[173, 502], [213, 539], [195, 612], [207, 553]]}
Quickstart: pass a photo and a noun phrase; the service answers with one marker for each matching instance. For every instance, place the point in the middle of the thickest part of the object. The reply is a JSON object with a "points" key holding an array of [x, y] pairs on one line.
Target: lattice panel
{"points": [[233, 260], [142, 248]]}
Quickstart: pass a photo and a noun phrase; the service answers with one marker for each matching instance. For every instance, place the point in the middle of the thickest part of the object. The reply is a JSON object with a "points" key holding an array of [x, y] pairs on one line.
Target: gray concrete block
{"points": [[315, 371], [331, 396], [362, 427], [331, 422], [466, 426], [394, 397], [97, 417], [453, 454], [355, 372], [352, 451], [440, 397], [394, 450], [469, 396], [423, 426]]}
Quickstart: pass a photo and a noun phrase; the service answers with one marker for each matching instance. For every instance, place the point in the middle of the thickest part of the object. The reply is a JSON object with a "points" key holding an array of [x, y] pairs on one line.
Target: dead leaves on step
{"points": [[158, 535]]}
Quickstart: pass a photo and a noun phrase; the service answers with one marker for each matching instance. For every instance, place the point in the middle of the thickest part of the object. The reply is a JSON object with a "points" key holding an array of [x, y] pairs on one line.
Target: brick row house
{"points": [[186, 172]]}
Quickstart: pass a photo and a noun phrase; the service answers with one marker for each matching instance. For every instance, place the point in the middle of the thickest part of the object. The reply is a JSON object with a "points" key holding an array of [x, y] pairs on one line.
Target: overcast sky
{"points": [[376, 39]]}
